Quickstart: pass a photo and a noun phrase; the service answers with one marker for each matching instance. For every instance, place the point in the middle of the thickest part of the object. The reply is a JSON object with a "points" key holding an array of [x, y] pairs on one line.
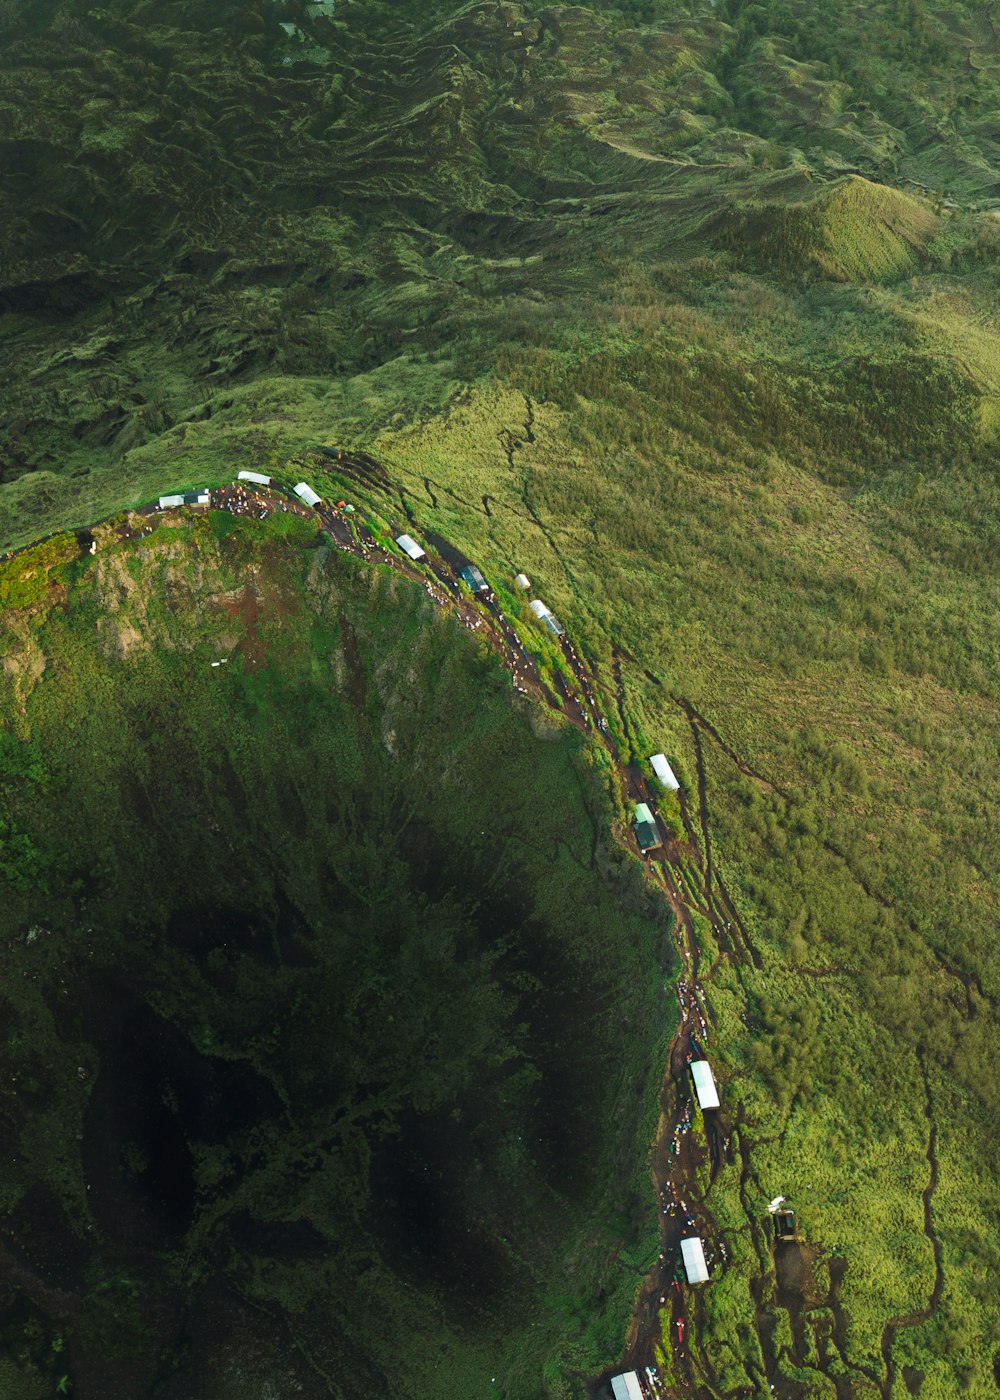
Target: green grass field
{"points": [[688, 311]]}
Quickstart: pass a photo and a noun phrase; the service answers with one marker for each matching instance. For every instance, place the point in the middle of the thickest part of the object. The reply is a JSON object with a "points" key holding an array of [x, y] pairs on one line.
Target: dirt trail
{"points": [[729, 926], [616, 671], [698, 722], [699, 757], [675, 1156]]}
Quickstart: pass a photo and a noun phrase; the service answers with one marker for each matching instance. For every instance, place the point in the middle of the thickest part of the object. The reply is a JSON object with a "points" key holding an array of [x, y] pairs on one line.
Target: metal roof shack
{"points": [[255, 477], [664, 772], [646, 831], [693, 1254], [704, 1084], [409, 546], [471, 575], [523, 581], [185, 498], [305, 493], [784, 1224], [627, 1387]]}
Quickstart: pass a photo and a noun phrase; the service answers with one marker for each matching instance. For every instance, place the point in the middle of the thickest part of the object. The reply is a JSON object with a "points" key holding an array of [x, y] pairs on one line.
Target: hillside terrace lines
{"points": [[512, 442], [700, 725]]}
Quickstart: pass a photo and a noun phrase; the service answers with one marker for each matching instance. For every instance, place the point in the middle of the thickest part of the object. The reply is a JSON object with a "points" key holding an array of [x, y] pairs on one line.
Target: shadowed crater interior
{"points": [[315, 1033]]}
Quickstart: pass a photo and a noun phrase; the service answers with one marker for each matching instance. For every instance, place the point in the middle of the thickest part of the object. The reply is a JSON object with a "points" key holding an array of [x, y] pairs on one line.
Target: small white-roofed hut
{"points": [[664, 772], [693, 1255], [166, 502], [626, 1387], [704, 1084], [409, 546], [306, 493], [523, 581], [256, 477]]}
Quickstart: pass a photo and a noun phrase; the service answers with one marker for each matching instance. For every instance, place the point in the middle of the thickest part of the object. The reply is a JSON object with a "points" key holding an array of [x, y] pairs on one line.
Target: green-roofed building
{"points": [[647, 833], [471, 575]]}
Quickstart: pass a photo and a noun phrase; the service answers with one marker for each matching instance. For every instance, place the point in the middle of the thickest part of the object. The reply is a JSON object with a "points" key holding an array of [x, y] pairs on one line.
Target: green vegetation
{"points": [[851, 231], [689, 310], [302, 1016]]}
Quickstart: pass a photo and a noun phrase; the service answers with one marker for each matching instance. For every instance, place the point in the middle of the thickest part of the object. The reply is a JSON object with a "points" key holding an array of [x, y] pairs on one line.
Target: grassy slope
{"points": [[765, 402], [834, 639]]}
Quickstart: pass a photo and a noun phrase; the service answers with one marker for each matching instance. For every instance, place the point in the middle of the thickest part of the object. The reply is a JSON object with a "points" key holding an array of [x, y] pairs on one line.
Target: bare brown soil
{"points": [[245, 607]]}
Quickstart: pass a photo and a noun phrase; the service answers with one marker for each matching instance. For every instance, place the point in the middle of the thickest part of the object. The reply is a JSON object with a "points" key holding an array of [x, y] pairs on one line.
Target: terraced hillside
{"points": [[198, 200], [689, 311]]}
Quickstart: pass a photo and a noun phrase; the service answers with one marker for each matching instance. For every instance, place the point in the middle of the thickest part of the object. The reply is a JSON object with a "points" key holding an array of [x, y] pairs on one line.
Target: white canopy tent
{"points": [[694, 1260], [704, 1084], [626, 1387], [306, 493], [664, 772], [256, 477], [409, 546]]}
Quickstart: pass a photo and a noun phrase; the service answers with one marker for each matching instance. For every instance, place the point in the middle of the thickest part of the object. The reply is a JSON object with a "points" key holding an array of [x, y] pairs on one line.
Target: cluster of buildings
{"points": [[628, 1385]]}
